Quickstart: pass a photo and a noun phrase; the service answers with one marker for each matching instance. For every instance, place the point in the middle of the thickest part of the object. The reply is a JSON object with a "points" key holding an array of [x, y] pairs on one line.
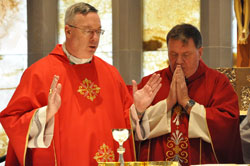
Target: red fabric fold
{"points": [[84, 122], [212, 89]]}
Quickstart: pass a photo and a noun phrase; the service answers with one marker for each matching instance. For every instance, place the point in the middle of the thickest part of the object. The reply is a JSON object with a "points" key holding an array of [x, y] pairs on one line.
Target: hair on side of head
{"points": [[184, 32]]}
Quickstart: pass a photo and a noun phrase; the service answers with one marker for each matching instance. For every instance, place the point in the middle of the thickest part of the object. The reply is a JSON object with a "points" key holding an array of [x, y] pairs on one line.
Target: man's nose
{"points": [[179, 59], [95, 35]]}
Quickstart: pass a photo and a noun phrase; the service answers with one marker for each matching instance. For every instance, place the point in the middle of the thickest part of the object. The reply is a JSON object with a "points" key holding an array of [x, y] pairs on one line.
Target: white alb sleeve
{"points": [[156, 120], [41, 134], [197, 127]]}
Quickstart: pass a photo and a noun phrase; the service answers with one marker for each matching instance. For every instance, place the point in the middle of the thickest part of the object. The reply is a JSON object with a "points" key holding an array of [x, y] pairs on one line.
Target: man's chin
{"points": [[92, 50]]}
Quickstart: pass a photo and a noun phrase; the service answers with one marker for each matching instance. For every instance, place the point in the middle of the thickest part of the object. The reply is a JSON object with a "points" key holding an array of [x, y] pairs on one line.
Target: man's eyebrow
{"points": [[187, 52], [89, 27], [96, 28], [172, 52]]}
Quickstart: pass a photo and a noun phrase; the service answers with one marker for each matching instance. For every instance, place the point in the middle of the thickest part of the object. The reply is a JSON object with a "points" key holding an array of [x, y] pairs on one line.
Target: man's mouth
{"points": [[93, 47]]}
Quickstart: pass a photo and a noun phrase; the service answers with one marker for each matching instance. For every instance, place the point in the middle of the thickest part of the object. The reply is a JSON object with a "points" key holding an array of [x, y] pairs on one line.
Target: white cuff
{"points": [[197, 127], [156, 120], [41, 134]]}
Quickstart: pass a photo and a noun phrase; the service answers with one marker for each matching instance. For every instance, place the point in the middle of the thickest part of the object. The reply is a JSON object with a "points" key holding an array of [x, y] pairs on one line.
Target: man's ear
{"points": [[200, 52], [67, 30]]}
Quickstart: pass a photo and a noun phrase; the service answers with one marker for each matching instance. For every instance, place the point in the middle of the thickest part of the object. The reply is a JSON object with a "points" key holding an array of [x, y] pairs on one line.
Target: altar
{"points": [[146, 163]]}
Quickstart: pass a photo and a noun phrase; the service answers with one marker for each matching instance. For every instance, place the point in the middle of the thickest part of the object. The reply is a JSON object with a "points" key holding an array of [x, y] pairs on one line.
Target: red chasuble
{"points": [[213, 90], [95, 100]]}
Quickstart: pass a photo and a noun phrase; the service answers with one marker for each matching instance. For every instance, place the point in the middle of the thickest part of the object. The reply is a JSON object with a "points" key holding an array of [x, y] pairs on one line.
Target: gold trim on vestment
{"points": [[27, 137], [132, 133], [178, 146], [54, 152], [210, 137], [177, 143]]}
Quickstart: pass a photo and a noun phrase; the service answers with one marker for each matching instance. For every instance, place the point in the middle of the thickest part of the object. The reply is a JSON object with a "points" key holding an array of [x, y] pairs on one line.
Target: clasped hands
{"points": [[178, 92]]}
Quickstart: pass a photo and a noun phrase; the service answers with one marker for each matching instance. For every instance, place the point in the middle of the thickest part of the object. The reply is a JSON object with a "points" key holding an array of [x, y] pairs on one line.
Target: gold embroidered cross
{"points": [[104, 154], [88, 89]]}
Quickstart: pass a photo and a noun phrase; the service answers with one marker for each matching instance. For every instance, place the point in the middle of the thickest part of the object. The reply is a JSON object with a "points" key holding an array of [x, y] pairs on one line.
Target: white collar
{"points": [[74, 59]]}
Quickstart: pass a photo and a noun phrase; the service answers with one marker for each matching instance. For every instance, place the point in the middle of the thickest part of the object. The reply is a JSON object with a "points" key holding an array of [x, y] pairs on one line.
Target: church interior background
{"points": [[134, 39]]}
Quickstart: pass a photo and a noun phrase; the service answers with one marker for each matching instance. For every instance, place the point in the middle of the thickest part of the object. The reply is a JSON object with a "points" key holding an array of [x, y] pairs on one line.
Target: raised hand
{"points": [[54, 98], [181, 86], [144, 97]]}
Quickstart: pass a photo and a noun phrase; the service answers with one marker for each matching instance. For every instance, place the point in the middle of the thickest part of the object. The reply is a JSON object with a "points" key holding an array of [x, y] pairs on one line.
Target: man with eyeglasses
{"points": [[70, 121]]}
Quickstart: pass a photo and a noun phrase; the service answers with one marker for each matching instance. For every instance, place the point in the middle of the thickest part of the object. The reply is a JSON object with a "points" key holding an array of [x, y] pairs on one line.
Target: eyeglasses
{"points": [[89, 32]]}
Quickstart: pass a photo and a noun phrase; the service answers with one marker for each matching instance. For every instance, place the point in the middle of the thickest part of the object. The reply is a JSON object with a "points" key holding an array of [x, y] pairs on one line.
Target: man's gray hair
{"points": [[81, 7]]}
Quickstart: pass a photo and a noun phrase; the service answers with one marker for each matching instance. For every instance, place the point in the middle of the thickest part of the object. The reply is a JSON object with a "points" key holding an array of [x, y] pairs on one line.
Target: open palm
{"points": [[144, 97], [54, 98]]}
